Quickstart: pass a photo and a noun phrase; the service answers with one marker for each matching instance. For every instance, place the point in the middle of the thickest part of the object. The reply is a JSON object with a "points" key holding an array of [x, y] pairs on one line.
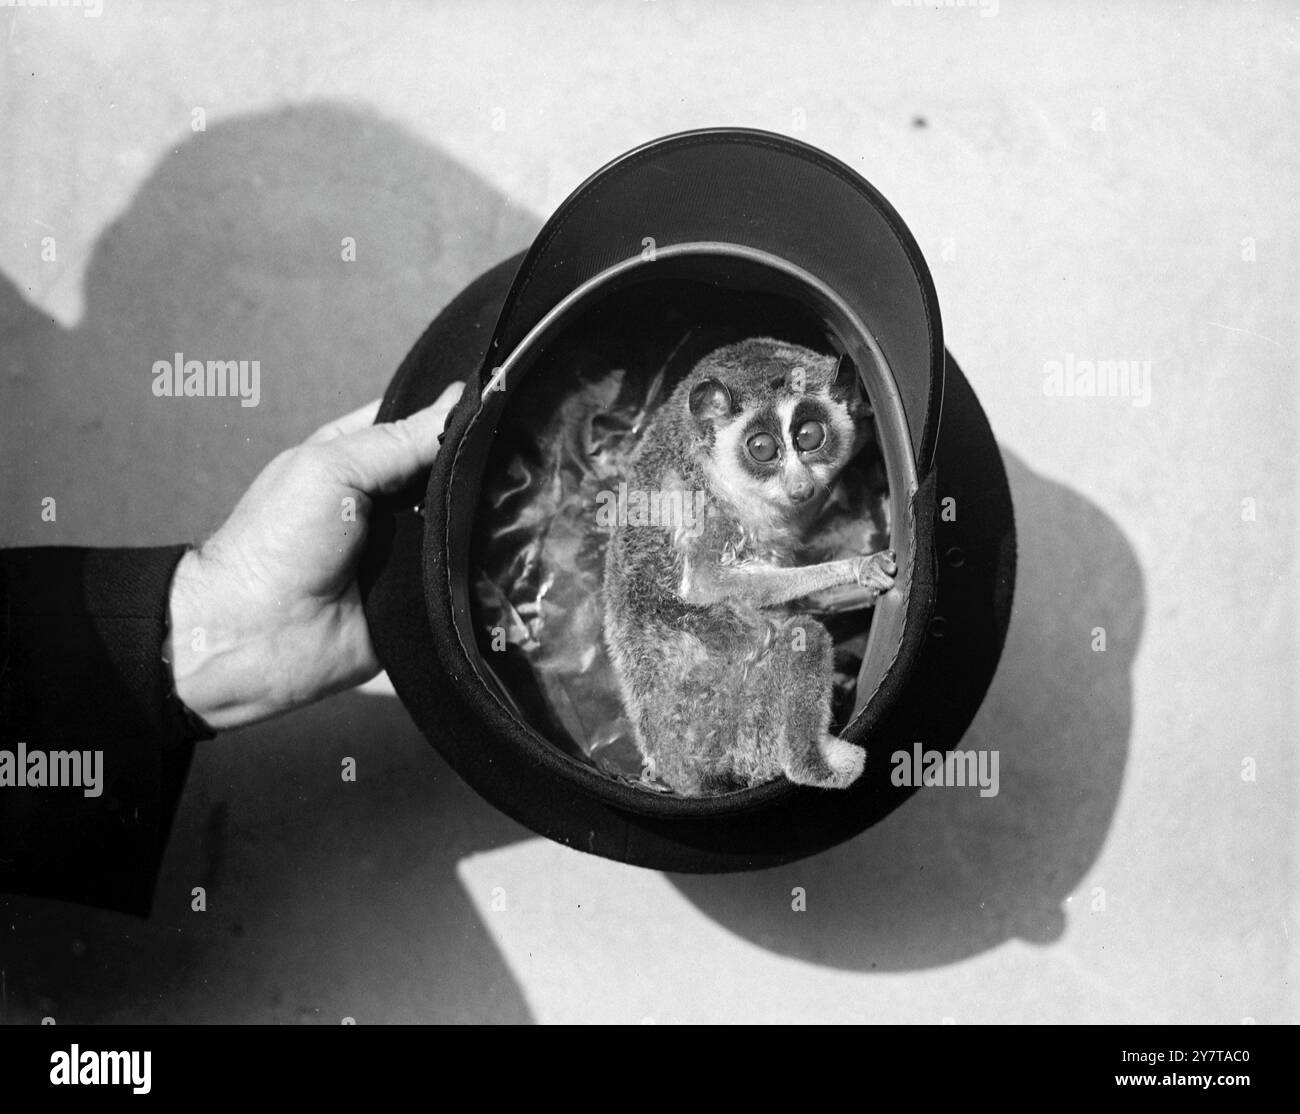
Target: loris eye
{"points": [[762, 447], [810, 436]]}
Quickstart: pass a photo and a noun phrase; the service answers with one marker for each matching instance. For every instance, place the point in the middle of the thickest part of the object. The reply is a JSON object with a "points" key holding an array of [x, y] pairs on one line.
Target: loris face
{"points": [[776, 424]]}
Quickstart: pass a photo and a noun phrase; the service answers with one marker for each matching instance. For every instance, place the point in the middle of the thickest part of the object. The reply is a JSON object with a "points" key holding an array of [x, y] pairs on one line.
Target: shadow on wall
{"points": [[327, 899], [950, 873], [324, 899], [233, 249]]}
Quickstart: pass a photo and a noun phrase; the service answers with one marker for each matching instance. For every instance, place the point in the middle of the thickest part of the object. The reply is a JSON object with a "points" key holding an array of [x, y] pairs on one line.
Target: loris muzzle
{"points": [[727, 683]]}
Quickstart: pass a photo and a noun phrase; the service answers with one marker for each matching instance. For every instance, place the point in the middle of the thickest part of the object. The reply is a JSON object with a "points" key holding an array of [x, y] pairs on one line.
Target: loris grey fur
{"points": [[727, 684]]}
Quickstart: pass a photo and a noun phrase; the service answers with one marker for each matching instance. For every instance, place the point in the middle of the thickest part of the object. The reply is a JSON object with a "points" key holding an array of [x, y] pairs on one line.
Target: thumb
{"points": [[382, 457]]}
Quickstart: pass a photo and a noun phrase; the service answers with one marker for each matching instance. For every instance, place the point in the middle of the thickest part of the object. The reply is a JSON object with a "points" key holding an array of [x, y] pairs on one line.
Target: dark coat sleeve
{"points": [[81, 640]]}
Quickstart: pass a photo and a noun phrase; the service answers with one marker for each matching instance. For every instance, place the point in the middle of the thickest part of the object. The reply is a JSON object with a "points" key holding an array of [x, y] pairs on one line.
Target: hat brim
{"points": [[766, 193]]}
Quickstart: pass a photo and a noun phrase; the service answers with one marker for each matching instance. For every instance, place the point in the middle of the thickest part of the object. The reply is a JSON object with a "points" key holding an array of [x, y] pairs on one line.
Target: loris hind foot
{"points": [[841, 764]]}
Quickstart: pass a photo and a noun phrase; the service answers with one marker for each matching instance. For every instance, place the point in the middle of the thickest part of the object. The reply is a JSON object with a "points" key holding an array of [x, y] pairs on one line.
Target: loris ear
{"points": [[710, 400], [847, 387]]}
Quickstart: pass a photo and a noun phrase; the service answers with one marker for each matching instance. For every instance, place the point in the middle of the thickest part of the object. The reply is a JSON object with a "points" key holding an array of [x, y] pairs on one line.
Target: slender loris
{"points": [[727, 684]]}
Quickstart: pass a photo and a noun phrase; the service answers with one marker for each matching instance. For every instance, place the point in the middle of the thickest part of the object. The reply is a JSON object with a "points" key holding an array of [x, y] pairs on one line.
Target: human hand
{"points": [[266, 614]]}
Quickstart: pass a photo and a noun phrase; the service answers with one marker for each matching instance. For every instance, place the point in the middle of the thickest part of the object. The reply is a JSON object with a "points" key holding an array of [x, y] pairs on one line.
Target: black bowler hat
{"points": [[728, 220]]}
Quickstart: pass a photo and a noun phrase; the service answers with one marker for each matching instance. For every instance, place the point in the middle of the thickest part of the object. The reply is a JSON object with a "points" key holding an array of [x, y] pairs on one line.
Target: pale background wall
{"points": [[440, 136]]}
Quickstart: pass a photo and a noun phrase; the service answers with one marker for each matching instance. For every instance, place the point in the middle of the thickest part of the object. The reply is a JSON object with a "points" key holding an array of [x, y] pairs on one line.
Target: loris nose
{"points": [[800, 490]]}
